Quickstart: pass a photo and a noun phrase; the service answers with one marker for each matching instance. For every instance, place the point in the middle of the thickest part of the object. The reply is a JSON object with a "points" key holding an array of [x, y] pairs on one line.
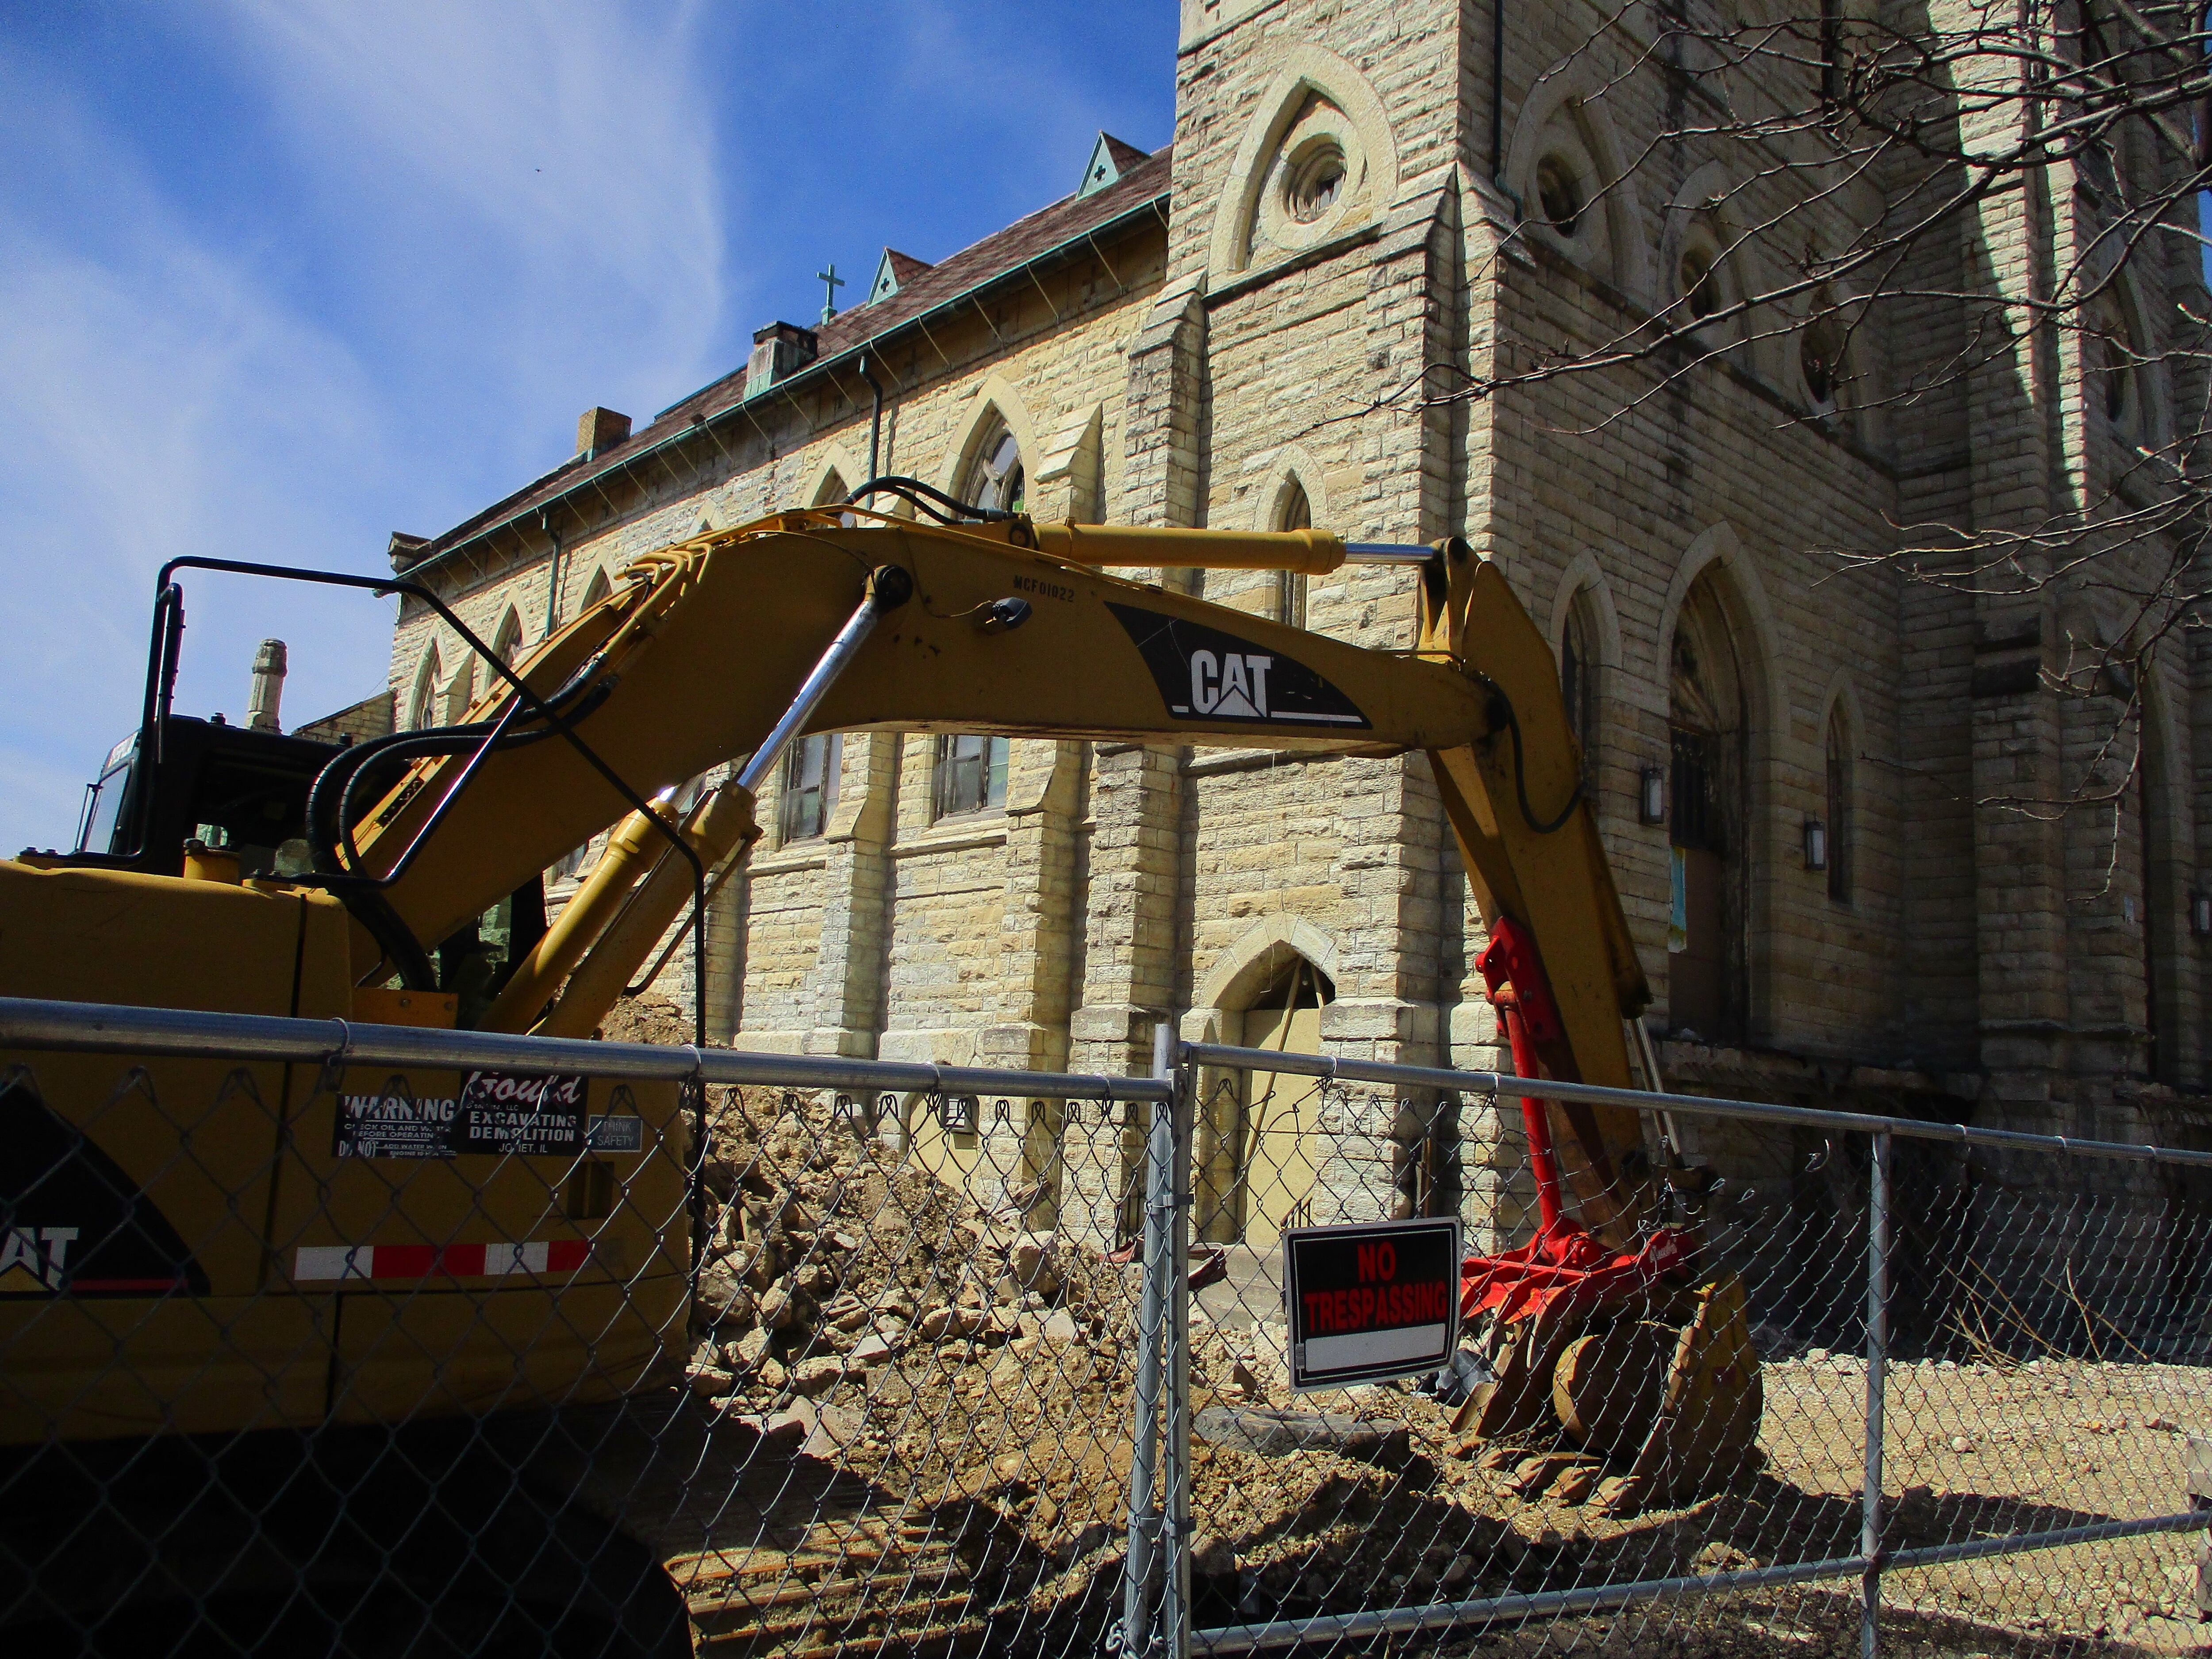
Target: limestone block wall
{"points": [[1197, 372]]}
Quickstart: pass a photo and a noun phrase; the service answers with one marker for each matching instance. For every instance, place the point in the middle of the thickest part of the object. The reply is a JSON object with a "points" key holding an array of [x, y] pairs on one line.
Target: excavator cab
{"points": [[228, 786]]}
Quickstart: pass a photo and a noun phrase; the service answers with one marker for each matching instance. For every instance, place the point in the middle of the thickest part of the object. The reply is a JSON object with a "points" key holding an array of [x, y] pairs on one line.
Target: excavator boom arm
{"points": [[1014, 628]]}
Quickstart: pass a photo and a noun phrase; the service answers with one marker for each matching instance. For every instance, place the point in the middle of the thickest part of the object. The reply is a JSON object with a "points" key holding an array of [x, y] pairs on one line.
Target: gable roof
{"points": [[1062, 228]]}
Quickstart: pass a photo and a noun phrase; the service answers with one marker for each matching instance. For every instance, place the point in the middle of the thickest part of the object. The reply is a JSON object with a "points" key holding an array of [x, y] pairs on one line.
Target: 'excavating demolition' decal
{"points": [[1204, 674]]}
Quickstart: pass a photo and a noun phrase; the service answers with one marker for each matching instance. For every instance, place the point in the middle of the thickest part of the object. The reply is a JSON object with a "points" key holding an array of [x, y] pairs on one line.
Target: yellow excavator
{"points": [[198, 1250]]}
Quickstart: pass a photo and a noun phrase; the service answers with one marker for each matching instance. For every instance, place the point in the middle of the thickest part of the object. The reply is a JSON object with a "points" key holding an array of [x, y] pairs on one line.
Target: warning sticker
{"points": [[1372, 1301], [618, 1132], [529, 1115], [513, 1112], [393, 1124]]}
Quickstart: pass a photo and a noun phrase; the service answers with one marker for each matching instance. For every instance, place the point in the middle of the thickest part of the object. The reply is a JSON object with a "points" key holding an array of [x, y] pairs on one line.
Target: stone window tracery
{"points": [[1314, 182], [2112, 358], [1559, 194]]}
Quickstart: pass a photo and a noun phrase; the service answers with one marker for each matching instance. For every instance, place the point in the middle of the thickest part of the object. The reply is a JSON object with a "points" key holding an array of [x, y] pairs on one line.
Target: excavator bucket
{"points": [[1619, 1353], [1658, 1383]]}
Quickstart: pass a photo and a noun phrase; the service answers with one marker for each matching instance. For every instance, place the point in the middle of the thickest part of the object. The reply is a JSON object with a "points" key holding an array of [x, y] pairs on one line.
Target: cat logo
{"points": [[1233, 688], [32, 1259], [72, 1222], [1205, 675]]}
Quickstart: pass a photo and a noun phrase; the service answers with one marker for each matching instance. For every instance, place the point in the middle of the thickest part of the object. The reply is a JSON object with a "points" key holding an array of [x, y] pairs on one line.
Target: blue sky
{"points": [[282, 278]]}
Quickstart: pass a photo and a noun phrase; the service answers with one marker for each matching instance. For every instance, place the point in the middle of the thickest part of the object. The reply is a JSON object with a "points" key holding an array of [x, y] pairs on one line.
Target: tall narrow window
{"points": [[506, 644], [971, 774], [1293, 511], [423, 698], [1831, 53], [995, 478], [1578, 679], [1839, 809], [810, 786], [597, 588]]}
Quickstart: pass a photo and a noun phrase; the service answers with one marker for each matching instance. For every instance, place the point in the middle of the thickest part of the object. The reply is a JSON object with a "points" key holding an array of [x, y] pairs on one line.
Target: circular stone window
{"points": [[1700, 287], [1559, 194], [1313, 183]]}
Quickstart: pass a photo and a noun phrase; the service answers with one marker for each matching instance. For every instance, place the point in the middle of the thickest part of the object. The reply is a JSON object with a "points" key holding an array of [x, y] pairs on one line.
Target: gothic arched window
{"points": [[423, 697], [1292, 512], [995, 478], [1578, 669]]}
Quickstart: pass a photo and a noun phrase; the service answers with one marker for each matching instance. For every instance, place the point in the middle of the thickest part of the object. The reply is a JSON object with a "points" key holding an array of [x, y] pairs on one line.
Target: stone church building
{"points": [[1791, 767]]}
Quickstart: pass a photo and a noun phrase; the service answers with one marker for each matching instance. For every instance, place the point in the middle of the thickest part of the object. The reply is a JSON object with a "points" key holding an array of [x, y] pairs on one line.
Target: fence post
{"points": [[1174, 1618], [1877, 1370], [1151, 1339]]}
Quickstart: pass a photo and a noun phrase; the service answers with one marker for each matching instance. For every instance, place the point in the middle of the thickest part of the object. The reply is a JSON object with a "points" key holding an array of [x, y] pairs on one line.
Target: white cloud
{"points": [[396, 325]]}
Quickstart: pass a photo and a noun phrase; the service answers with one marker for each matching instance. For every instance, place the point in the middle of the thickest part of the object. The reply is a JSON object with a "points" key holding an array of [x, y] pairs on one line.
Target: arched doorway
{"points": [[1707, 980], [1257, 1155]]}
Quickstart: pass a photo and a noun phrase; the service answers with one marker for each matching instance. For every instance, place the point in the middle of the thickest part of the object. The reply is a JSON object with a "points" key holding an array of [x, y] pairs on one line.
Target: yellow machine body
{"points": [[698, 651], [234, 1168]]}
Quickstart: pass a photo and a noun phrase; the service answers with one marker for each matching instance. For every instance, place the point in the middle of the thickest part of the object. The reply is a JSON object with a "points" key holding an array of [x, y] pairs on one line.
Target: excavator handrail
{"points": [[1334, 1068], [357, 891]]}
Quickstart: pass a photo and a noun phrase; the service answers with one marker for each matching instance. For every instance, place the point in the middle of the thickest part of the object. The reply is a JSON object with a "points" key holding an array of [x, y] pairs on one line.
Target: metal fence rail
{"points": [[768, 1354], [1991, 1348], [694, 1350]]}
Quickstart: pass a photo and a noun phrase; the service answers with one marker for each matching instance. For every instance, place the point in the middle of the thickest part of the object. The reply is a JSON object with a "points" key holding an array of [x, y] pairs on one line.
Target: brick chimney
{"points": [[406, 550], [598, 429], [780, 350], [266, 696]]}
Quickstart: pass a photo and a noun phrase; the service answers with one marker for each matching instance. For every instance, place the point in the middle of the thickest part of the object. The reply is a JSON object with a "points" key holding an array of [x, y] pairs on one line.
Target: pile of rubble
{"points": [[828, 1258]]}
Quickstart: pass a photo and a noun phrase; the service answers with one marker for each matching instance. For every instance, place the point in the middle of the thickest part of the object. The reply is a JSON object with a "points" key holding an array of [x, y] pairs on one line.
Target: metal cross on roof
{"points": [[829, 297]]}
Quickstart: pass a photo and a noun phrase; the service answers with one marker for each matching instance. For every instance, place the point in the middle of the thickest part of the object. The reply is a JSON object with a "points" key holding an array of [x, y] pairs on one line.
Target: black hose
{"points": [[1520, 772], [330, 798], [919, 496]]}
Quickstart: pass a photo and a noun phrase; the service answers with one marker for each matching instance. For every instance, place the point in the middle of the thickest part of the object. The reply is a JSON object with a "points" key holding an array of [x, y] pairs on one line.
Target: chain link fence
{"points": [[2005, 1338], [320, 1339]]}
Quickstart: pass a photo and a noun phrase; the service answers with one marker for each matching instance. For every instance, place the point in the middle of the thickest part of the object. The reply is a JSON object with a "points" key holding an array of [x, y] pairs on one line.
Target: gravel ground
{"points": [[1002, 1445]]}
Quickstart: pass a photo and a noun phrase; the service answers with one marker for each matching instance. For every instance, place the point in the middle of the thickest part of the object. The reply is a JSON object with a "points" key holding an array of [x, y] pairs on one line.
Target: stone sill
{"points": [[951, 840], [782, 864]]}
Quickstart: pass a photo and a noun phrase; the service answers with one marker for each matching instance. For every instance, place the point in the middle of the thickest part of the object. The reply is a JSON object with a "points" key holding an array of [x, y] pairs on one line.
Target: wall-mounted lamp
{"points": [[1651, 795], [2200, 913], [1816, 844]]}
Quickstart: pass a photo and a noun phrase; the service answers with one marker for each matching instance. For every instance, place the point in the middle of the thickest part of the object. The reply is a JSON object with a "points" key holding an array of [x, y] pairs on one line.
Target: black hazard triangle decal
{"points": [[1204, 674], [71, 1223]]}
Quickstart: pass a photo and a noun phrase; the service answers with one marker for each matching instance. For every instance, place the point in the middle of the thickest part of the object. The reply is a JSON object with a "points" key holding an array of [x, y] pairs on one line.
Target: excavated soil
{"points": [[926, 1407]]}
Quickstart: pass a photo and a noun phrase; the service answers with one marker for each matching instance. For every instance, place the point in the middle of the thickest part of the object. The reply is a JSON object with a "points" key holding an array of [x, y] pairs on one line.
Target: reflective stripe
{"points": [[323, 1262]]}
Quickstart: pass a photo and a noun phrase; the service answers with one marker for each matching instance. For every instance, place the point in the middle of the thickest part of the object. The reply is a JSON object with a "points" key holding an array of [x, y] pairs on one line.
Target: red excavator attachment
{"points": [[1618, 1349]]}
